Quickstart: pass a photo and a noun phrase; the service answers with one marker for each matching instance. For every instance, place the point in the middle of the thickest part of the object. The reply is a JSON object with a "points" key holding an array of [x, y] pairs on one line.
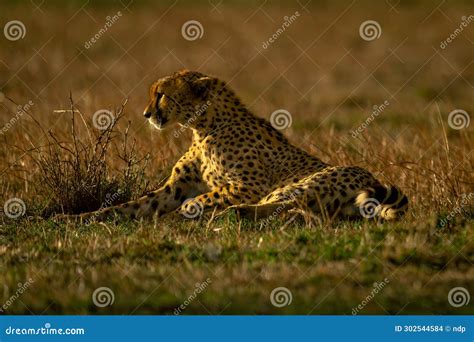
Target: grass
{"points": [[153, 267], [152, 270]]}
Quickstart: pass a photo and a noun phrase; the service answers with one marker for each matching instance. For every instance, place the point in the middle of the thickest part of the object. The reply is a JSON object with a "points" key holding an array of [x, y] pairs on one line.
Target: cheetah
{"points": [[238, 160]]}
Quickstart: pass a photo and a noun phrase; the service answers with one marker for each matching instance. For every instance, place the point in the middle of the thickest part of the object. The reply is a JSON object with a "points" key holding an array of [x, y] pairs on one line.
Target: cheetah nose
{"points": [[147, 114]]}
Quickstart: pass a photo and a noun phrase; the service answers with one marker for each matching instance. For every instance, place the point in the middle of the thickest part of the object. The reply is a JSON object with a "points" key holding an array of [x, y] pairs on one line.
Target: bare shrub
{"points": [[75, 171]]}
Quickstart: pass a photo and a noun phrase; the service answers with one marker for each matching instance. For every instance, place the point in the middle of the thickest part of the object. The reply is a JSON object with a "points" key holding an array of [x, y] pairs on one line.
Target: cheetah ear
{"points": [[201, 87]]}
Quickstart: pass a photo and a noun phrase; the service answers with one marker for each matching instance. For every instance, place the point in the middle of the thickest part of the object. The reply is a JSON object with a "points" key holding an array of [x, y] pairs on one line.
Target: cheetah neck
{"points": [[222, 108]]}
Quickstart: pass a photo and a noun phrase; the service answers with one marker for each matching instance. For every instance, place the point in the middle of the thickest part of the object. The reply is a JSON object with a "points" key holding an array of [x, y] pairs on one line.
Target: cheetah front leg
{"points": [[184, 182], [221, 197]]}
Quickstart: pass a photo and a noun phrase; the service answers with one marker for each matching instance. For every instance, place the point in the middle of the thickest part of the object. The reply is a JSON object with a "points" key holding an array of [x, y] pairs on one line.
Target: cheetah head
{"points": [[178, 99]]}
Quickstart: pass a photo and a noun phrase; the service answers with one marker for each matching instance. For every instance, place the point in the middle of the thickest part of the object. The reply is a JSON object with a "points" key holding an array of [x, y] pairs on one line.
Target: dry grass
{"points": [[322, 72], [75, 173]]}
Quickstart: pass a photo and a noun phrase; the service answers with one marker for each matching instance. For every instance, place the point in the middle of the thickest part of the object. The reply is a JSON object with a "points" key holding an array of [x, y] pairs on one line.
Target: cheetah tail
{"points": [[387, 202]]}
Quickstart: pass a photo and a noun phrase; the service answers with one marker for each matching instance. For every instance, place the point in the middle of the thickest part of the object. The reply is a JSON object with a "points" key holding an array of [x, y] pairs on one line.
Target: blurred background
{"points": [[318, 68]]}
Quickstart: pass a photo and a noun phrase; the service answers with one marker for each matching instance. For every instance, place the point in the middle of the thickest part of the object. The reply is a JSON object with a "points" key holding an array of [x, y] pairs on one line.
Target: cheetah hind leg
{"points": [[255, 212]]}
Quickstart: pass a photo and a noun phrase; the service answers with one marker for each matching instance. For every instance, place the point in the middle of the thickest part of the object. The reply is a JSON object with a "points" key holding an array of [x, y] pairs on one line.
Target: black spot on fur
{"points": [[177, 193]]}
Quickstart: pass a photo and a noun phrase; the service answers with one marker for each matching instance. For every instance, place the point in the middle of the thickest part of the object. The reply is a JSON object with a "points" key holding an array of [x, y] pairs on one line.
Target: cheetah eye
{"points": [[159, 96]]}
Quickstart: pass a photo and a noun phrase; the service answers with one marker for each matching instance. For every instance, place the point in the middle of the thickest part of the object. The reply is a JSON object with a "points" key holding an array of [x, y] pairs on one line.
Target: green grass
{"points": [[152, 269]]}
